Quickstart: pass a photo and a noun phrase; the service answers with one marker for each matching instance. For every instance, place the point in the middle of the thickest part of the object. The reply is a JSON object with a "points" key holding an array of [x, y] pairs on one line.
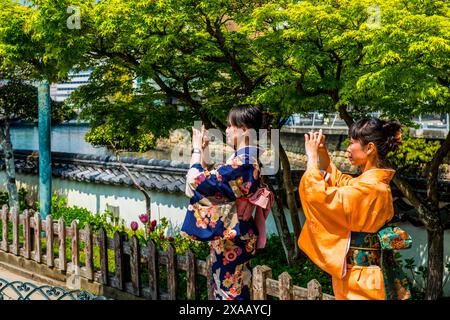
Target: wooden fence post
{"points": [[37, 238], [191, 272], [259, 287], [153, 269], [49, 231], [103, 246], [62, 245], [285, 286], [89, 252], [171, 273], [75, 248], [26, 235], [5, 246], [15, 230], [209, 277], [118, 251], [135, 260], [314, 290]]}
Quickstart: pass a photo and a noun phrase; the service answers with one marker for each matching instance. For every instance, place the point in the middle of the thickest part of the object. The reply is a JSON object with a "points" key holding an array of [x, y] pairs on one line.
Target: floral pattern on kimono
{"points": [[366, 250], [212, 200]]}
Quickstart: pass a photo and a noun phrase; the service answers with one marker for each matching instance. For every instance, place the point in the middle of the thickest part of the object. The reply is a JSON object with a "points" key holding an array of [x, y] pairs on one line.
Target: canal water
{"points": [[70, 138], [64, 138]]}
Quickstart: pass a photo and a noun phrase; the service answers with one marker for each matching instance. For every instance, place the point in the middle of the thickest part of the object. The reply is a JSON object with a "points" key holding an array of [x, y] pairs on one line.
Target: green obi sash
{"points": [[369, 249]]}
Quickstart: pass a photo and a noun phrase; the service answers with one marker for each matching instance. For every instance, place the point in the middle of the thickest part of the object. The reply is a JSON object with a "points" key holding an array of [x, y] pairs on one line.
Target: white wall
{"points": [[131, 202]]}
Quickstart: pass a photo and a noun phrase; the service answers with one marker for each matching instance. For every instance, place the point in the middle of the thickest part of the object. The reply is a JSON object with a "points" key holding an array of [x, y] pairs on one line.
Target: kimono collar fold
{"points": [[250, 151], [380, 175]]}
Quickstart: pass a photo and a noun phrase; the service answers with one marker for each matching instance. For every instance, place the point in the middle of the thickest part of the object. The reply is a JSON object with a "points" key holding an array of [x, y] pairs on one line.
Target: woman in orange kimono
{"points": [[344, 214]]}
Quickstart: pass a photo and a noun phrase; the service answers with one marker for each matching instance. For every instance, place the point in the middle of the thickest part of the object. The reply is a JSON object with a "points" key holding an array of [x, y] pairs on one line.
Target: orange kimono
{"points": [[335, 205]]}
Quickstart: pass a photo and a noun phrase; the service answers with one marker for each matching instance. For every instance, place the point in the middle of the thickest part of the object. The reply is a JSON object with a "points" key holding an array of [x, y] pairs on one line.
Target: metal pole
{"points": [[334, 120], [45, 170]]}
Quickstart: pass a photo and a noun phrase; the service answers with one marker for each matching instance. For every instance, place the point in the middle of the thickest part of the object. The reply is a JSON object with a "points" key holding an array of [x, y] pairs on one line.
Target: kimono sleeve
{"points": [[335, 177], [331, 213], [324, 203], [232, 180]]}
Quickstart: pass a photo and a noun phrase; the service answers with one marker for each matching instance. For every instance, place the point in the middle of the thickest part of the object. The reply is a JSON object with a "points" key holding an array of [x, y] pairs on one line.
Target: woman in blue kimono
{"points": [[217, 195]]}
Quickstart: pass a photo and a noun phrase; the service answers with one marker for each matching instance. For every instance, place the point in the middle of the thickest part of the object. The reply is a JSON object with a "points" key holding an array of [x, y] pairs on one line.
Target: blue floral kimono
{"points": [[211, 216]]}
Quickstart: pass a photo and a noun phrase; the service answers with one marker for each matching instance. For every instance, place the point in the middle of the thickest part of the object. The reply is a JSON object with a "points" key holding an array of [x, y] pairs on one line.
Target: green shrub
{"points": [[4, 199], [413, 155], [59, 209]]}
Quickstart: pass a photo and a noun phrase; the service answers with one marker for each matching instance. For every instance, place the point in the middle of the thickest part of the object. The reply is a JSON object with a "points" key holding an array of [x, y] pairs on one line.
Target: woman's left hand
{"points": [[205, 139], [197, 138], [312, 142]]}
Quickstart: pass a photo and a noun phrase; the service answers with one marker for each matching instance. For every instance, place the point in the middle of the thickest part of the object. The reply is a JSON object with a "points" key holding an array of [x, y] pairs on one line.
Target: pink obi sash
{"points": [[263, 199]]}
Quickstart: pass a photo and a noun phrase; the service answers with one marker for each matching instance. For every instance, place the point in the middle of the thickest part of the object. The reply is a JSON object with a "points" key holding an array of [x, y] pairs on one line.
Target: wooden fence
{"points": [[131, 260]]}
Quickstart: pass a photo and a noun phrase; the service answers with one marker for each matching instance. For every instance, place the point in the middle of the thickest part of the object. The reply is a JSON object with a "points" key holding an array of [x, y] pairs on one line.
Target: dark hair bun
{"points": [[383, 133], [392, 133]]}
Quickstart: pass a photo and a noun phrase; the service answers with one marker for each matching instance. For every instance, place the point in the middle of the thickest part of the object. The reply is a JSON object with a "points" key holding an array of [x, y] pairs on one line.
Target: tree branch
{"points": [[218, 35], [136, 184], [432, 171], [343, 113]]}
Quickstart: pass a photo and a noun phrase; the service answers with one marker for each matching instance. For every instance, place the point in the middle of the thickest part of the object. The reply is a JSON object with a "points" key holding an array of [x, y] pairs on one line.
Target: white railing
{"points": [[332, 120]]}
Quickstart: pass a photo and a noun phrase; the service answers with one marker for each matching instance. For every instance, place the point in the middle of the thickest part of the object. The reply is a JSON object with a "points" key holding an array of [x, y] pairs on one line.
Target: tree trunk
{"points": [[434, 286], [282, 226], [343, 113], [290, 196], [9, 164]]}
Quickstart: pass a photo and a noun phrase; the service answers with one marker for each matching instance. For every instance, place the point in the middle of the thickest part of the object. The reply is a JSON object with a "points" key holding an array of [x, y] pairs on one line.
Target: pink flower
{"points": [[144, 218], [154, 223], [201, 224], [250, 246], [231, 255], [229, 234], [134, 225]]}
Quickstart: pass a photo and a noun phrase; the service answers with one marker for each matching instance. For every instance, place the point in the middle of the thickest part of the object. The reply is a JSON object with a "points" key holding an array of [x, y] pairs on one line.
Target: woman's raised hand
{"points": [[322, 145], [197, 138], [205, 139], [313, 142]]}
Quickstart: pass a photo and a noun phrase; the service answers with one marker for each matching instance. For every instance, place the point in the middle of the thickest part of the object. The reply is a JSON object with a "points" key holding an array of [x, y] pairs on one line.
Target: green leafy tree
{"points": [[18, 102], [23, 59], [334, 56], [192, 55], [349, 56]]}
